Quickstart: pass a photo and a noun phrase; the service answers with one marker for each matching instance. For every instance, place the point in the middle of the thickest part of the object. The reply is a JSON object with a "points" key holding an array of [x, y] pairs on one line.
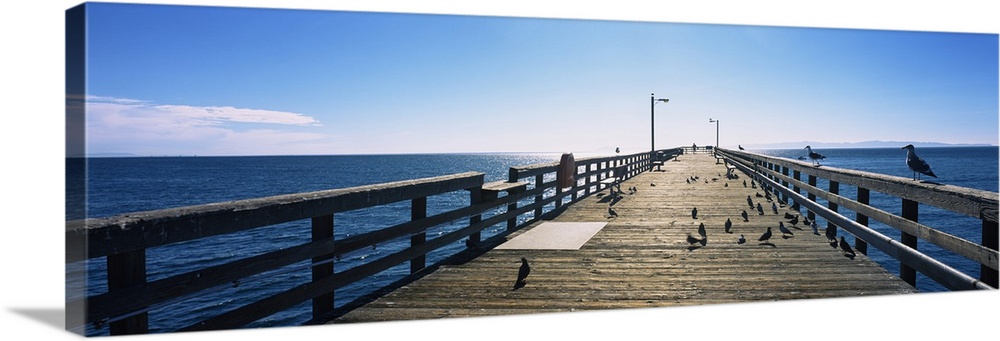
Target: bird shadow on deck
{"points": [[768, 244]]}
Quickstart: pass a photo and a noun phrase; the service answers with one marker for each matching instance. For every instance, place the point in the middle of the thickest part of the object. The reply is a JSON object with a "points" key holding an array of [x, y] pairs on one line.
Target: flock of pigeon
{"points": [[913, 162], [765, 238]]}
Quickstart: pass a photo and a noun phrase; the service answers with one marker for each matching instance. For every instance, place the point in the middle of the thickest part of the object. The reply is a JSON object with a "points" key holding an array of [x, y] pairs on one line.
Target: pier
{"points": [[630, 216]]}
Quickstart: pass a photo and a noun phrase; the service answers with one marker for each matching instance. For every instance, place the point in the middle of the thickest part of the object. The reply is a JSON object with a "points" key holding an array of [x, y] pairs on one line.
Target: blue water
{"points": [[120, 185]]}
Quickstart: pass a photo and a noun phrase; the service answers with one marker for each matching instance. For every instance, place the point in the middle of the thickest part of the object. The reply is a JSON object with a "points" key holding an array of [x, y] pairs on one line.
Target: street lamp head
{"points": [[664, 100]]}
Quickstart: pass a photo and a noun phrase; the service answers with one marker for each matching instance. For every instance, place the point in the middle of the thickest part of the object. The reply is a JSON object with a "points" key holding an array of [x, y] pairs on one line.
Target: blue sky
{"points": [[199, 80]]}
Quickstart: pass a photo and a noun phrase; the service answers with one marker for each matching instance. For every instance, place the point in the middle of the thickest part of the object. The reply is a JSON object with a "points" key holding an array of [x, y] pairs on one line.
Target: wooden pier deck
{"points": [[641, 257]]}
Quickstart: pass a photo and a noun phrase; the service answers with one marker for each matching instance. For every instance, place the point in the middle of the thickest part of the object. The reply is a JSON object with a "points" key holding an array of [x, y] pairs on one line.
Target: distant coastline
{"points": [[863, 144], [779, 145]]}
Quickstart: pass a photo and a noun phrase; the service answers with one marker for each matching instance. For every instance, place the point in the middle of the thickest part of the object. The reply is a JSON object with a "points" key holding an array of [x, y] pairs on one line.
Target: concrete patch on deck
{"points": [[552, 235]]}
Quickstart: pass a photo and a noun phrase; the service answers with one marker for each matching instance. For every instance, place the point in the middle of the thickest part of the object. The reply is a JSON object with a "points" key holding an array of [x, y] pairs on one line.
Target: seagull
{"points": [[729, 225], [815, 156], [916, 164], [740, 146], [744, 214], [766, 236], [741, 240], [694, 213], [701, 230], [784, 230], [774, 208], [522, 274], [848, 252]]}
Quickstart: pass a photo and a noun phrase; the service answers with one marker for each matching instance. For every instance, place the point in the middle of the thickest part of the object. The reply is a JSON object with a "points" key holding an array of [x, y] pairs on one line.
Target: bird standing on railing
{"points": [[916, 164], [522, 274], [815, 157], [740, 146]]}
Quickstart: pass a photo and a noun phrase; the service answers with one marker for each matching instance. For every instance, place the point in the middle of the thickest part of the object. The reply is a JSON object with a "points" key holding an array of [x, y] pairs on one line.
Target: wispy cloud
{"points": [[144, 127]]}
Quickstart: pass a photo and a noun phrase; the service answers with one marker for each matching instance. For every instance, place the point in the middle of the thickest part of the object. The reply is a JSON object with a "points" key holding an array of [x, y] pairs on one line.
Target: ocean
{"points": [[118, 185]]}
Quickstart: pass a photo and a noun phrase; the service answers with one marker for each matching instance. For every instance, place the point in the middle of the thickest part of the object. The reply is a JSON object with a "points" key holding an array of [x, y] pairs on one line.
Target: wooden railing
{"points": [[123, 240], [784, 177]]}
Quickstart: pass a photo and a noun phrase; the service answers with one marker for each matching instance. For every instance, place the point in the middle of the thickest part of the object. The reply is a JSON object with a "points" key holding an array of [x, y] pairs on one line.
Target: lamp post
{"points": [[652, 130], [715, 149]]}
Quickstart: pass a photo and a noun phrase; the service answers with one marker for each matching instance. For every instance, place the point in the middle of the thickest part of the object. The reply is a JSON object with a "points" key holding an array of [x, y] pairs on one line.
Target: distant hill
{"points": [[863, 144]]}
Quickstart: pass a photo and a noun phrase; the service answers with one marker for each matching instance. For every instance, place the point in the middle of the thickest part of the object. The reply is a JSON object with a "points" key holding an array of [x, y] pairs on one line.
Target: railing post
{"points": [[909, 274], [475, 198], [590, 168], [539, 180], [863, 198], [834, 189], [418, 210], [126, 270], [990, 237], [811, 196], [784, 183], [512, 177], [797, 175], [322, 228]]}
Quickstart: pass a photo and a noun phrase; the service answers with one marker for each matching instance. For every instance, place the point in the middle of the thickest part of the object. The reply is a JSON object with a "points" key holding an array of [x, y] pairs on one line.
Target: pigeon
{"points": [[766, 236], [701, 230], [758, 195], [794, 221], [831, 235], [767, 196], [815, 230], [611, 212], [916, 164], [744, 183], [774, 208], [694, 213], [760, 209], [848, 252], [652, 184], [740, 146], [691, 239], [744, 215], [741, 240], [805, 220], [815, 157], [729, 225], [688, 180], [725, 185], [522, 273], [753, 184], [788, 215], [749, 201], [784, 230]]}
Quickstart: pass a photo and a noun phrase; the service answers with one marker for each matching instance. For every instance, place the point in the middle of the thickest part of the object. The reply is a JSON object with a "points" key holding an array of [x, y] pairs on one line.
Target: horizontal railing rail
{"points": [[784, 177], [124, 239]]}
